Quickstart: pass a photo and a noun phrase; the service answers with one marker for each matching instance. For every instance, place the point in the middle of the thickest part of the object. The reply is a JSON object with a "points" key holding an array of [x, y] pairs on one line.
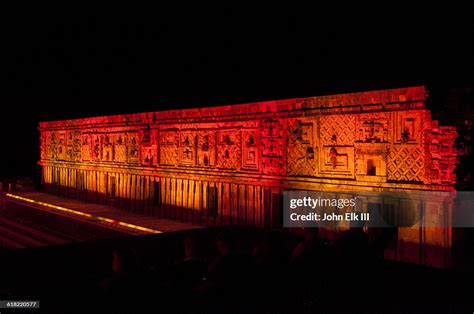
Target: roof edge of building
{"points": [[386, 96]]}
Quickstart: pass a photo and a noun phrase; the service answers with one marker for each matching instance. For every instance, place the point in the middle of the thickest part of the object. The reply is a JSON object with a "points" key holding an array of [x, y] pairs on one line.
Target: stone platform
{"points": [[107, 216]]}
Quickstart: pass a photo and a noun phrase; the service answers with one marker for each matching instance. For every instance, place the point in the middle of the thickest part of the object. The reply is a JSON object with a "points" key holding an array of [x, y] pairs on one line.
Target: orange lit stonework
{"points": [[230, 164]]}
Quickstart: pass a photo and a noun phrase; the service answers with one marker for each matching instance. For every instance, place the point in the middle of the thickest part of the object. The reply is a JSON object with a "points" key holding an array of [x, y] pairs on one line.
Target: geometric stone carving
{"points": [[133, 148], [272, 147], [366, 137], [107, 147], [371, 141], [373, 128], [407, 128], [371, 162], [250, 150], [44, 145], [148, 147], [302, 156], [337, 137], [52, 146], [147, 155], [337, 129], [187, 149], [96, 148], [406, 164], [86, 147], [206, 146], [120, 147], [76, 146], [337, 161], [443, 154], [228, 150], [62, 147], [168, 148]]}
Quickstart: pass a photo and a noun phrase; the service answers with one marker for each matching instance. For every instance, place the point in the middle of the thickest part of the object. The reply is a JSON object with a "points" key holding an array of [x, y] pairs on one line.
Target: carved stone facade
{"points": [[234, 162]]}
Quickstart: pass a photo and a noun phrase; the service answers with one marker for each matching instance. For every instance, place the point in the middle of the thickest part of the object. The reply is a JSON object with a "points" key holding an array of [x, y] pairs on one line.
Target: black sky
{"points": [[60, 66]]}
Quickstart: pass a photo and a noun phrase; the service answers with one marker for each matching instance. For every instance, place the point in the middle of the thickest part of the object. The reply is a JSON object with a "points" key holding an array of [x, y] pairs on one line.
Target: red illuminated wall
{"points": [[230, 164]]}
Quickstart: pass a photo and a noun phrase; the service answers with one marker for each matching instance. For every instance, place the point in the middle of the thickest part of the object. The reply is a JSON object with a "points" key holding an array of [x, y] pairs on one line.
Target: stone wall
{"points": [[230, 164]]}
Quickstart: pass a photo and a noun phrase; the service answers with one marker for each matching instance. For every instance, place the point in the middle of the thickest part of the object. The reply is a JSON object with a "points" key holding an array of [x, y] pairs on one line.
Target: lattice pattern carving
{"points": [[406, 163], [273, 166], [120, 148], [86, 147], [337, 130], [169, 148], [44, 145]]}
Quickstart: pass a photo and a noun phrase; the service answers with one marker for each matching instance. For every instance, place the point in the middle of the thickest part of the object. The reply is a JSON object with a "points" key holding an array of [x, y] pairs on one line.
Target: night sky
{"points": [[63, 66]]}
